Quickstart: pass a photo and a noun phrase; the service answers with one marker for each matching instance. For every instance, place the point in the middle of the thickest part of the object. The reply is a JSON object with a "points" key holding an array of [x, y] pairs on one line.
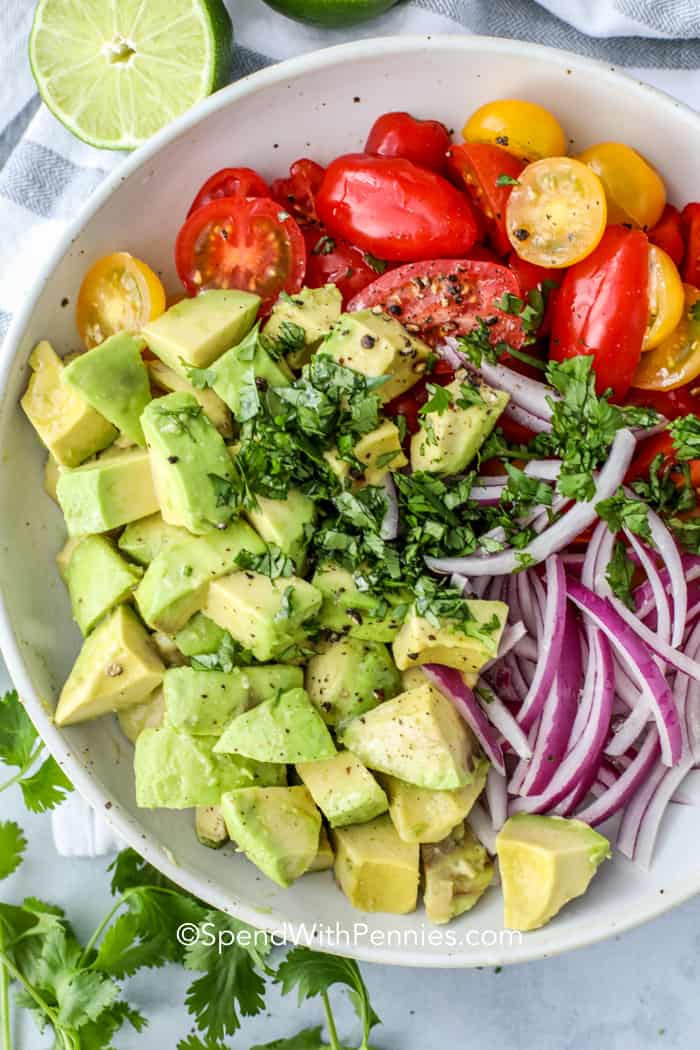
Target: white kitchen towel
{"points": [[46, 175]]}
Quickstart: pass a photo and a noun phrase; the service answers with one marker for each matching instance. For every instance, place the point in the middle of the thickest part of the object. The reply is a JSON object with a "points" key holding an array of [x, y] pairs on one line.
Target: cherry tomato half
{"points": [[683, 401], [690, 224], [297, 193], [425, 142], [667, 234], [660, 445], [331, 260], [446, 297], [523, 128], [666, 298], [601, 309], [634, 190], [230, 182], [119, 293], [487, 172], [676, 361], [396, 210], [556, 214], [245, 243]]}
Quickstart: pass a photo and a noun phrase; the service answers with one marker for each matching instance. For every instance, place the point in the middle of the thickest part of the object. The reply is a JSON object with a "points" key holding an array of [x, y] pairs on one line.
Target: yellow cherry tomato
{"points": [[666, 298], [523, 128], [635, 191], [677, 360], [120, 293], [556, 214]]}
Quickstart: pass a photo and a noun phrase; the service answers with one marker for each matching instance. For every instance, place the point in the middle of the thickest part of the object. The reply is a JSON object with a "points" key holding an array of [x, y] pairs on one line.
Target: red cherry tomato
{"points": [[230, 182], [331, 260], [602, 309], [479, 166], [425, 142], [660, 445], [297, 193], [667, 234], [683, 401], [409, 404], [245, 243], [395, 210], [480, 253], [690, 224], [530, 277], [446, 297]]}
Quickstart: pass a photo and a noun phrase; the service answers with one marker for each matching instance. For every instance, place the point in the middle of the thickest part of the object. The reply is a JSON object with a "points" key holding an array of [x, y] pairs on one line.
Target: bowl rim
{"points": [[119, 819]]}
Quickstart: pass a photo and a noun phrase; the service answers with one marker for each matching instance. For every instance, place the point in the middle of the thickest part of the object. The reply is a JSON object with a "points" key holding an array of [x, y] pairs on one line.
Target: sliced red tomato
{"points": [[409, 404], [245, 243], [667, 234], [425, 142], [683, 401], [485, 170], [446, 297], [601, 309], [331, 260], [230, 182], [690, 224], [659, 445], [297, 193], [396, 210]]}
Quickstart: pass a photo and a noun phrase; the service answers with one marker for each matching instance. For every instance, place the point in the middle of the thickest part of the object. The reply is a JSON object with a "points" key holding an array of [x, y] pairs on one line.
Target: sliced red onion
{"points": [[667, 548], [527, 647], [688, 794], [480, 823], [526, 419], [500, 717], [653, 685], [513, 634], [662, 608], [448, 352], [497, 798], [643, 596], [389, 528], [626, 785], [636, 807], [650, 824], [527, 600], [492, 480], [528, 393], [679, 661], [631, 729], [550, 652], [489, 495], [545, 469], [450, 682], [558, 535]]}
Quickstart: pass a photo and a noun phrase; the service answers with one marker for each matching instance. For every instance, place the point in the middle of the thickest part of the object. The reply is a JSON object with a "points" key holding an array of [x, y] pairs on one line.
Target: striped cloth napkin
{"points": [[46, 175]]}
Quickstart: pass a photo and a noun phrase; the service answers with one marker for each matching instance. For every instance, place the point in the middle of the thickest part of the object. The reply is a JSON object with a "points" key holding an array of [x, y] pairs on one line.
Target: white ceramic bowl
{"points": [[319, 105]]}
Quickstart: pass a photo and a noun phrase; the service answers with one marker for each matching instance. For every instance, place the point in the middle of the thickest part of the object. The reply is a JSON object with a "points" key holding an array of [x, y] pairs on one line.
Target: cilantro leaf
{"points": [[17, 733], [685, 432], [45, 788], [273, 562], [289, 340], [307, 1039], [12, 847], [623, 512], [378, 265], [324, 246], [200, 378], [439, 400], [619, 574], [230, 654]]}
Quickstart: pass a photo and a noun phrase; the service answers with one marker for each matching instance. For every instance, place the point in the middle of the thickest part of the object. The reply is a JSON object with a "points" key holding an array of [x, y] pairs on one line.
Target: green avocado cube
{"points": [[196, 331], [278, 829], [116, 667], [351, 677], [423, 814], [98, 578], [298, 323], [113, 378], [285, 522], [210, 826], [149, 714], [377, 345], [376, 870], [203, 702], [192, 469], [270, 679], [465, 646], [266, 616], [143, 540], [239, 373], [285, 728], [343, 789], [450, 436], [175, 584], [346, 609], [200, 636], [103, 495], [212, 405], [456, 874]]}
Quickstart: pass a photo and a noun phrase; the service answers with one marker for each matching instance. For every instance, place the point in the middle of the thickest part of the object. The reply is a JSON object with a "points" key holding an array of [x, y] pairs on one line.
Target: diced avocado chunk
{"points": [[456, 873], [143, 540], [346, 609], [210, 826], [267, 681], [212, 405], [425, 815], [323, 861], [192, 468], [350, 678], [103, 495], [68, 426], [285, 522], [200, 636], [301, 321], [241, 373], [117, 666], [451, 435], [65, 554], [417, 737], [98, 578], [113, 378], [175, 584], [376, 870], [377, 345], [52, 472], [169, 652], [380, 451], [277, 828], [203, 702], [343, 789], [197, 331], [176, 770], [545, 862], [464, 646], [285, 728], [149, 714], [266, 616]]}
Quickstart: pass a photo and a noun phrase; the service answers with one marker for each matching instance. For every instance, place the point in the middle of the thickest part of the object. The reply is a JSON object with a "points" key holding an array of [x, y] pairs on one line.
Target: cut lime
{"points": [[331, 13], [115, 71]]}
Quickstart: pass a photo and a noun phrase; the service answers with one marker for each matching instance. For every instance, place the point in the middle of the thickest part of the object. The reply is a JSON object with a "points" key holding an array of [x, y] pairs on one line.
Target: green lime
{"points": [[115, 71], [331, 13]]}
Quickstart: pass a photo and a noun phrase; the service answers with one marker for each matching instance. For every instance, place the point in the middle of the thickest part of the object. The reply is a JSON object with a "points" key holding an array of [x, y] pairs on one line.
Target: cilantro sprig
{"points": [[41, 780]]}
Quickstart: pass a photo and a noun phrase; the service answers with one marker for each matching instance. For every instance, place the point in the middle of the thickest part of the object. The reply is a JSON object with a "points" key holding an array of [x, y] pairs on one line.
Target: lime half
{"points": [[115, 71], [331, 13]]}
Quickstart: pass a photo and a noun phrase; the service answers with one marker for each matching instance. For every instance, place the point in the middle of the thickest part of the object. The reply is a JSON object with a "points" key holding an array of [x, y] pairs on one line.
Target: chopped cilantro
{"points": [[273, 562], [378, 265], [324, 246], [200, 378], [507, 180], [438, 401], [290, 339], [623, 512], [619, 574], [685, 432]]}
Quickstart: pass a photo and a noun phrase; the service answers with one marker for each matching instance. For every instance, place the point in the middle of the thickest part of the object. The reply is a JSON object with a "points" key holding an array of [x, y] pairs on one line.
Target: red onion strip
{"points": [[550, 652], [450, 682]]}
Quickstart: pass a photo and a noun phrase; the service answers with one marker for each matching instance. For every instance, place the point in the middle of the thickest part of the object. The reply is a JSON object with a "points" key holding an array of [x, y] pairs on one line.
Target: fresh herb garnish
{"points": [[685, 432], [200, 378], [624, 512], [228, 656], [439, 400], [324, 246], [273, 562], [41, 780], [290, 338], [378, 265], [620, 572], [507, 180]]}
